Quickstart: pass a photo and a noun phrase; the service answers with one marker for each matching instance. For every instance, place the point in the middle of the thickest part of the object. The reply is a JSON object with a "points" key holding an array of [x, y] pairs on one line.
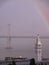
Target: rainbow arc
{"points": [[42, 13]]}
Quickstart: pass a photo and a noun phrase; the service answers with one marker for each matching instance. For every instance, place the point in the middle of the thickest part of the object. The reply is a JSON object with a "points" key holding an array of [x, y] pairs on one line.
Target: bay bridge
{"points": [[22, 37], [9, 37], [33, 37]]}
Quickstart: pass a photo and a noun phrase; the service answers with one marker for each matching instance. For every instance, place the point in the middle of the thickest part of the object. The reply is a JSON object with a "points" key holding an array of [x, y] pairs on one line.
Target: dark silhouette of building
{"points": [[32, 61], [9, 64], [13, 63]]}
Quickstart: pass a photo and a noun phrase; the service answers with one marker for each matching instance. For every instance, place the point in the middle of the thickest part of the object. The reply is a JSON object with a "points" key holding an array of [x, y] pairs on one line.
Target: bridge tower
{"points": [[9, 37]]}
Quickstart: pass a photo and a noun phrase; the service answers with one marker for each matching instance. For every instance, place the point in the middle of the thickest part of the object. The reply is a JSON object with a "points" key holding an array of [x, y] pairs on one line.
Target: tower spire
{"points": [[38, 49]]}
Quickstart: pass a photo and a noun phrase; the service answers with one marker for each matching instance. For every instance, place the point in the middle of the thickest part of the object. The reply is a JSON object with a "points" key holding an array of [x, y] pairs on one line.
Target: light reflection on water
{"points": [[27, 50], [15, 53]]}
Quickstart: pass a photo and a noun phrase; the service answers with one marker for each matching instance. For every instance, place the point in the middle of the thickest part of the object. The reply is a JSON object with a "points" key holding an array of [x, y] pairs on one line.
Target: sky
{"points": [[25, 20], [23, 16]]}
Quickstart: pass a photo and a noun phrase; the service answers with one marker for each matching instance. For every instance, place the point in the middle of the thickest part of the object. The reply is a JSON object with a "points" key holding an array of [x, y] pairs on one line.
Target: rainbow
{"points": [[42, 13]]}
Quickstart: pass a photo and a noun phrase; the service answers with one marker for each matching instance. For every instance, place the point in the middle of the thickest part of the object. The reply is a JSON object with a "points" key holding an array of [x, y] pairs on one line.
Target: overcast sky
{"points": [[24, 19]]}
